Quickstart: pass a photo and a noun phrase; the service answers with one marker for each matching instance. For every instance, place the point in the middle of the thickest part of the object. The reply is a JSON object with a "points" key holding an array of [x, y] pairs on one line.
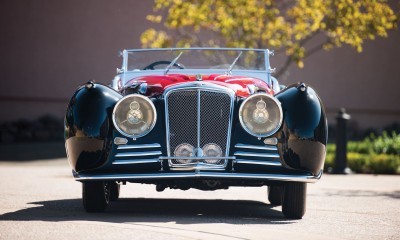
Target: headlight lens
{"points": [[260, 115], [134, 116]]}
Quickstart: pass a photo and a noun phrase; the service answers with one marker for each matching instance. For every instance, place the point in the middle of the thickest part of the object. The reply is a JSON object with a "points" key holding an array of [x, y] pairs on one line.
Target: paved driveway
{"points": [[40, 200]]}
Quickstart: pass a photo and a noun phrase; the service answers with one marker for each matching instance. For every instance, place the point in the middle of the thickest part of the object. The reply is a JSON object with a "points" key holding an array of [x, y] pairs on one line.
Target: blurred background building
{"points": [[48, 48]]}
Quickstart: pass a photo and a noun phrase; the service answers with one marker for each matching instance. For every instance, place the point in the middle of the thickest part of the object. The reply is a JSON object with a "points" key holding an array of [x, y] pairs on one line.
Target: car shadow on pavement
{"points": [[363, 193], [181, 211]]}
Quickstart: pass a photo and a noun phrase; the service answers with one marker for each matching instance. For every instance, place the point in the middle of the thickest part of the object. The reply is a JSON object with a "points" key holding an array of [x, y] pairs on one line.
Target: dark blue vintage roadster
{"points": [[196, 118]]}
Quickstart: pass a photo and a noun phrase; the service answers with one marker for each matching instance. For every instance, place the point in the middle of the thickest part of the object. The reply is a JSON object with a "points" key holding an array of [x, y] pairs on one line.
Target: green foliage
{"points": [[384, 163], [387, 144], [384, 144], [285, 26], [359, 163], [331, 148], [329, 160], [375, 154], [364, 146]]}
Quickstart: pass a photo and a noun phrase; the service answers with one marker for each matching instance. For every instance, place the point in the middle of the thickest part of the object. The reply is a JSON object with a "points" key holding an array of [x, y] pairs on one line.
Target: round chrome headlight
{"points": [[134, 116], [261, 115]]}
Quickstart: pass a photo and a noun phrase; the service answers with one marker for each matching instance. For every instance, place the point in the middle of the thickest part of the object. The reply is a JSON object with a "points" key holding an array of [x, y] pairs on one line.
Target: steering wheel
{"points": [[152, 65]]}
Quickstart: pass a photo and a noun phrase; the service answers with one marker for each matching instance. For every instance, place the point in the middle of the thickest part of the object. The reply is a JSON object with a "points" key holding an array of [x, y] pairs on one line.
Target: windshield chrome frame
{"points": [[268, 70]]}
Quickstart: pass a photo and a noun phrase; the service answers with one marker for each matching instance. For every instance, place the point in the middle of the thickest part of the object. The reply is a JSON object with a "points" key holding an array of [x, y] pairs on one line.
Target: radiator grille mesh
{"points": [[198, 117]]}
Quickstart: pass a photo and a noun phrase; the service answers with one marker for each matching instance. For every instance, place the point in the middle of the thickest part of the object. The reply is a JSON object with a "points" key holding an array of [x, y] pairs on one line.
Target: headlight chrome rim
{"points": [[151, 126], [270, 133]]}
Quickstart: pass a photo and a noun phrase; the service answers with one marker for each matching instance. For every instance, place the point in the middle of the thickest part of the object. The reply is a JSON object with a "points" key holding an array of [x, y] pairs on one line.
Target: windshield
{"points": [[215, 58]]}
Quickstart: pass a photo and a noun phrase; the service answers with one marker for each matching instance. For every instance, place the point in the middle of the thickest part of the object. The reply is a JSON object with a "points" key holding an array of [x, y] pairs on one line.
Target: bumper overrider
{"points": [[298, 155]]}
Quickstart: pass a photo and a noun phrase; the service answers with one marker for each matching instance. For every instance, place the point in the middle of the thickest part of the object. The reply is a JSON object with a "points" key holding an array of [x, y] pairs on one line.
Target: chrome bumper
{"points": [[307, 178]]}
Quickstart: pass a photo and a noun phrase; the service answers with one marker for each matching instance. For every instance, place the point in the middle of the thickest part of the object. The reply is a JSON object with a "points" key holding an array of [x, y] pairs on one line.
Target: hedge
{"points": [[375, 154]]}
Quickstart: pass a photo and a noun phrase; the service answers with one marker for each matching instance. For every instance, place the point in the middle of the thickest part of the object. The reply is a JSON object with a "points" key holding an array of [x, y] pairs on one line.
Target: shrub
{"points": [[375, 154], [384, 163], [330, 148], [329, 161], [388, 144], [364, 146], [358, 162]]}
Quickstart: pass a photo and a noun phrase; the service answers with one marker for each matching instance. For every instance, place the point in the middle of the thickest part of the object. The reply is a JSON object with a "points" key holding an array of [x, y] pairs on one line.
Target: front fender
{"points": [[88, 126], [303, 136]]}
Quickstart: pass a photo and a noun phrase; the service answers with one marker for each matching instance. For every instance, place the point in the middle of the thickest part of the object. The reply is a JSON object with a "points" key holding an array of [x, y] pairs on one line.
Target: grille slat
{"points": [[198, 117]]}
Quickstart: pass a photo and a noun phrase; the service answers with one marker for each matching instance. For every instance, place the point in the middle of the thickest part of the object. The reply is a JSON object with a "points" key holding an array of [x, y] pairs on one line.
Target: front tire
{"points": [[114, 191], [95, 196], [294, 200], [275, 195]]}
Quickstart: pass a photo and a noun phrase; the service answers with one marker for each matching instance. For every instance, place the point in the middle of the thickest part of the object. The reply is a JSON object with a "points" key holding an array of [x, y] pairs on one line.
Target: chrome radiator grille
{"points": [[199, 118]]}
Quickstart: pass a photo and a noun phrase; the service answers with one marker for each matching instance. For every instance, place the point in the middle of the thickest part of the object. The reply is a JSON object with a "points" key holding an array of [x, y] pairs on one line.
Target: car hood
{"points": [[157, 84]]}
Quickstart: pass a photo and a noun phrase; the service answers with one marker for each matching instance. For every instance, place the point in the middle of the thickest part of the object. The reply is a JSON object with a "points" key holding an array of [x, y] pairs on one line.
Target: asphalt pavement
{"points": [[40, 200]]}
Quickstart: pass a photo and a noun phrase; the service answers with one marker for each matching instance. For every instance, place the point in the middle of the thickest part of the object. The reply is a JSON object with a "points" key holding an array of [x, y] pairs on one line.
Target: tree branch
{"points": [[289, 59], [316, 48], [308, 38], [285, 66]]}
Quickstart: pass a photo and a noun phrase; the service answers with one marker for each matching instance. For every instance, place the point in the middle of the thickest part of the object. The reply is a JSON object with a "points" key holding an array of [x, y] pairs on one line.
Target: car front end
{"points": [[197, 128]]}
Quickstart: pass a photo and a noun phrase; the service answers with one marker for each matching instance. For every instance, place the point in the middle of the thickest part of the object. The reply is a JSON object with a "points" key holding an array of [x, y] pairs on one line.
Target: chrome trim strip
{"points": [[307, 178], [138, 154], [257, 162], [151, 145], [167, 132], [198, 117], [137, 161], [198, 167], [195, 158], [125, 60], [194, 48], [270, 148], [228, 142], [252, 154], [268, 66]]}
